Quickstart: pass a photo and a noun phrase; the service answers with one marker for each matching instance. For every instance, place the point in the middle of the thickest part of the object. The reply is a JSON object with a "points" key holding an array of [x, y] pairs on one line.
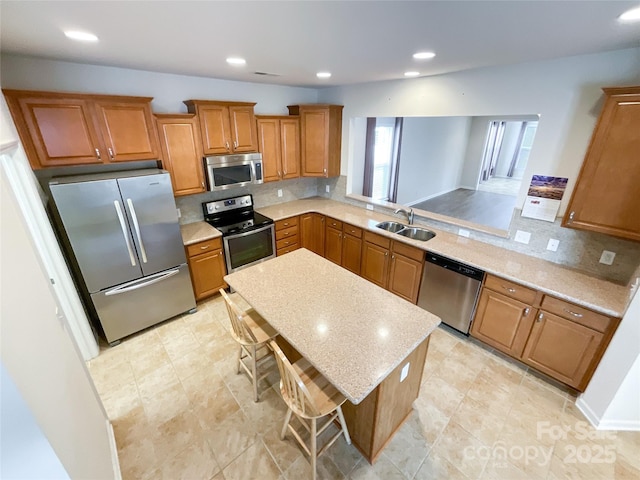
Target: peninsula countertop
{"points": [[354, 332], [584, 290]]}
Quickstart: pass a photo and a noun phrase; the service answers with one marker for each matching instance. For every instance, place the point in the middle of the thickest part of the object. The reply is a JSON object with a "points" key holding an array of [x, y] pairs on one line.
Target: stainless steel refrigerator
{"points": [[123, 240]]}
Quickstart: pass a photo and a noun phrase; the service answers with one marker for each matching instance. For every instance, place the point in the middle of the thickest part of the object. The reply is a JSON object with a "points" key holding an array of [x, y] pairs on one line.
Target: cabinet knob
{"points": [[386, 254], [540, 317], [235, 144], [526, 311], [98, 154], [509, 289], [110, 152], [202, 183], [226, 144], [325, 171]]}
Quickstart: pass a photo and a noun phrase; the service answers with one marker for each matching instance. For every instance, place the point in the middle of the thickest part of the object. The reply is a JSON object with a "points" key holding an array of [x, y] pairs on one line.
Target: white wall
{"points": [[612, 399], [168, 90], [566, 93], [42, 359], [431, 157], [473, 155]]}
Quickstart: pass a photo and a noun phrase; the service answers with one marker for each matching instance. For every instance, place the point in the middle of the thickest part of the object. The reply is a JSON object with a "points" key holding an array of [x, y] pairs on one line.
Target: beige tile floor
{"points": [[180, 411]]}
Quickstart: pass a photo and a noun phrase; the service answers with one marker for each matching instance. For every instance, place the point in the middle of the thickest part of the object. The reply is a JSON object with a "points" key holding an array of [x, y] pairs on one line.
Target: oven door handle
{"points": [[244, 234]]}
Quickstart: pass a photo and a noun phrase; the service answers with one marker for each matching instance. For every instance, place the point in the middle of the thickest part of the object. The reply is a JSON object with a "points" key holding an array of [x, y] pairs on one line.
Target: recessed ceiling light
{"points": [[323, 74], [632, 15], [81, 36], [423, 55], [411, 74], [236, 61]]}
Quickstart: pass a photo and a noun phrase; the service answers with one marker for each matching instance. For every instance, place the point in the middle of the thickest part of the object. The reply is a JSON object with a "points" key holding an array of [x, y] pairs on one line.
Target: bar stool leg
{"points": [[313, 448], [287, 419], [239, 358], [254, 373]]}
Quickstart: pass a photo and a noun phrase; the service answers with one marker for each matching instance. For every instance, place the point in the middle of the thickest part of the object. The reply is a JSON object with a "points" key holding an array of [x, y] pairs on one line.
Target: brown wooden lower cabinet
{"points": [[375, 259], [352, 248], [287, 235], [406, 271], [373, 422], [554, 336], [207, 267], [333, 244], [311, 227]]}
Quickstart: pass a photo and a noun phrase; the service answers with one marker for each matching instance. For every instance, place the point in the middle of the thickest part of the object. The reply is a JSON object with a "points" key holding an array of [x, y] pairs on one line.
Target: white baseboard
{"points": [[117, 474], [424, 199], [599, 424]]}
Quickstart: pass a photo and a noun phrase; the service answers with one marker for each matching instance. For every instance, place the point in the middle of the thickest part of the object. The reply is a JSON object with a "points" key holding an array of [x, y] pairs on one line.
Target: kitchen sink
{"points": [[393, 227], [417, 233], [413, 233]]}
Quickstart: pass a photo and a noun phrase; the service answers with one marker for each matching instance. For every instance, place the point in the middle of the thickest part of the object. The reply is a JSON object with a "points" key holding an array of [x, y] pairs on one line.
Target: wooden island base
{"points": [[374, 421]]}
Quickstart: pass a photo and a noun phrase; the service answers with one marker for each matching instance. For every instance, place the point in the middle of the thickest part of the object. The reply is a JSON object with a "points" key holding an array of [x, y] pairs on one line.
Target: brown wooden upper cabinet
{"points": [[226, 127], [59, 129], [320, 138], [279, 143], [605, 198], [181, 148]]}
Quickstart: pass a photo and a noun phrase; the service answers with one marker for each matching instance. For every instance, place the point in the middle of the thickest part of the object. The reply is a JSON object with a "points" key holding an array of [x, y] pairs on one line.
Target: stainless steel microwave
{"points": [[227, 171]]}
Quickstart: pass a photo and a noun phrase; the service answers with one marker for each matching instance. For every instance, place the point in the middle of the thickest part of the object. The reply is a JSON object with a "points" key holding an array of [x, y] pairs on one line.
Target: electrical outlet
{"points": [[179, 214], [522, 237], [279, 192], [464, 233], [553, 244], [607, 257], [369, 206], [327, 188]]}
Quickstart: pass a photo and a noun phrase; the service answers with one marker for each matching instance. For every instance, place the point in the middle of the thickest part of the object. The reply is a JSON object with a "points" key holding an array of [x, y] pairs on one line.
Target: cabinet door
{"points": [[351, 253], [215, 129], [269, 145], [502, 322], [375, 264], [60, 130], [319, 233], [128, 130], [181, 149], [312, 232], [207, 272], [404, 277], [561, 348], [605, 195], [290, 152], [333, 245], [243, 129], [314, 126]]}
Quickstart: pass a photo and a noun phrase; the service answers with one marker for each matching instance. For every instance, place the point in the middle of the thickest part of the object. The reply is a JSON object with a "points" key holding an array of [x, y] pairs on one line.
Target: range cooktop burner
{"points": [[234, 215]]}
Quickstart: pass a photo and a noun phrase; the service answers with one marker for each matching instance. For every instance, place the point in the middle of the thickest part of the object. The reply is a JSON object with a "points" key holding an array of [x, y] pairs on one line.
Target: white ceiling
{"points": [[358, 41]]}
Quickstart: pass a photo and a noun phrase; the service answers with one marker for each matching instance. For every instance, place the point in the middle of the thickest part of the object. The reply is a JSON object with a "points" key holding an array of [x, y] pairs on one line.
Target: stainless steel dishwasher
{"points": [[450, 290]]}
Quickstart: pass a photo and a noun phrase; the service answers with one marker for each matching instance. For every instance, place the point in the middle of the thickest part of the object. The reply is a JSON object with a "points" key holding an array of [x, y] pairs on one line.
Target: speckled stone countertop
{"points": [[198, 232], [354, 332], [599, 295]]}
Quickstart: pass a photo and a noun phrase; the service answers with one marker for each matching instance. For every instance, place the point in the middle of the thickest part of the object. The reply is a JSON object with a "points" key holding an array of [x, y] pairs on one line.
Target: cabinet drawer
{"points": [[513, 290], [575, 313], [204, 247], [287, 242], [377, 240], [351, 230], [287, 232], [286, 223], [337, 224], [282, 251], [408, 251]]}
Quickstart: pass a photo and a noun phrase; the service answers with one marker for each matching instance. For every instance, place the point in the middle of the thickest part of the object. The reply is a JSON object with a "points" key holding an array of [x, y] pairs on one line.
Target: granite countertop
{"points": [[198, 232], [584, 290], [323, 310]]}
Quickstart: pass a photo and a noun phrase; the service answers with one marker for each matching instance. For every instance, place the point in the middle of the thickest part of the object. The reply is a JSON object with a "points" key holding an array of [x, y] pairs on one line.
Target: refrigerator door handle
{"points": [[116, 204], [143, 252], [135, 285]]}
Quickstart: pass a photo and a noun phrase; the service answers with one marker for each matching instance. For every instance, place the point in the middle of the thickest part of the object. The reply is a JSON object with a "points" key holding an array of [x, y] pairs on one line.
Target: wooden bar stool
{"points": [[253, 333], [310, 396]]}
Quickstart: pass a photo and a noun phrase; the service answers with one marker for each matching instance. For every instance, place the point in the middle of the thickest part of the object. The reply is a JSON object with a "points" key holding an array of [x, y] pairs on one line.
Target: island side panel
{"points": [[373, 422]]}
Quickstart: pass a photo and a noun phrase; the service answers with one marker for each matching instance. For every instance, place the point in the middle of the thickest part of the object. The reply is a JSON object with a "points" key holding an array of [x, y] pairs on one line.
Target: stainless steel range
{"points": [[248, 236]]}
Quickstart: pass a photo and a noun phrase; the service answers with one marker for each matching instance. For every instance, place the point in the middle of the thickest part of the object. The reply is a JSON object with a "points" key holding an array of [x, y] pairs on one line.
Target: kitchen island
{"points": [[370, 344]]}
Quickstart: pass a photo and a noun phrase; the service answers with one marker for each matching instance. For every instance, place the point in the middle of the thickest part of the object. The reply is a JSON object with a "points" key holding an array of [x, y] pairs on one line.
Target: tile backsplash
{"points": [[577, 250]]}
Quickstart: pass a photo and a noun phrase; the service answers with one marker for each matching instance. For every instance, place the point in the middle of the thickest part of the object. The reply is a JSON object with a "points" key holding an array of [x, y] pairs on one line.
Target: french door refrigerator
{"points": [[122, 237]]}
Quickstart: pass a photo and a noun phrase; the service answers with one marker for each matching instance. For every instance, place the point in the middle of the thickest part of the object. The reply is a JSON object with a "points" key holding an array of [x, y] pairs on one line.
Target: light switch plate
{"points": [[279, 192], [327, 188], [369, 206], [464, 233], [522, 237], [404, 372], [607, 257], [553, 244]]}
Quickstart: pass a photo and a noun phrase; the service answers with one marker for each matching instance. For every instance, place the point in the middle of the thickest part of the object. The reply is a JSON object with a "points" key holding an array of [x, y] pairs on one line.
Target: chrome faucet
{"points": [[409, 214]]}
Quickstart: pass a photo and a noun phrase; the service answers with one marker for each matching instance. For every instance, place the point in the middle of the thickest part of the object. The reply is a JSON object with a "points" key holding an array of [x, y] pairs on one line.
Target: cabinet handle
{"points": [[322, 219], [235, 144], [526, 311], [571, 215], [110, 152], [540, 317], [205, 247], [386, 254], [202, 183], [325, 171], [279, 174], [286, 224], [339, 235], [285, 171], [509, 289], [226, 144], [98, 154], [575, 314]]}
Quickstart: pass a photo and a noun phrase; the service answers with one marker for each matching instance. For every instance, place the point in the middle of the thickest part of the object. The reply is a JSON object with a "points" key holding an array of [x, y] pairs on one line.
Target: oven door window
{"points": [[231, 175], [246, 249]]}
